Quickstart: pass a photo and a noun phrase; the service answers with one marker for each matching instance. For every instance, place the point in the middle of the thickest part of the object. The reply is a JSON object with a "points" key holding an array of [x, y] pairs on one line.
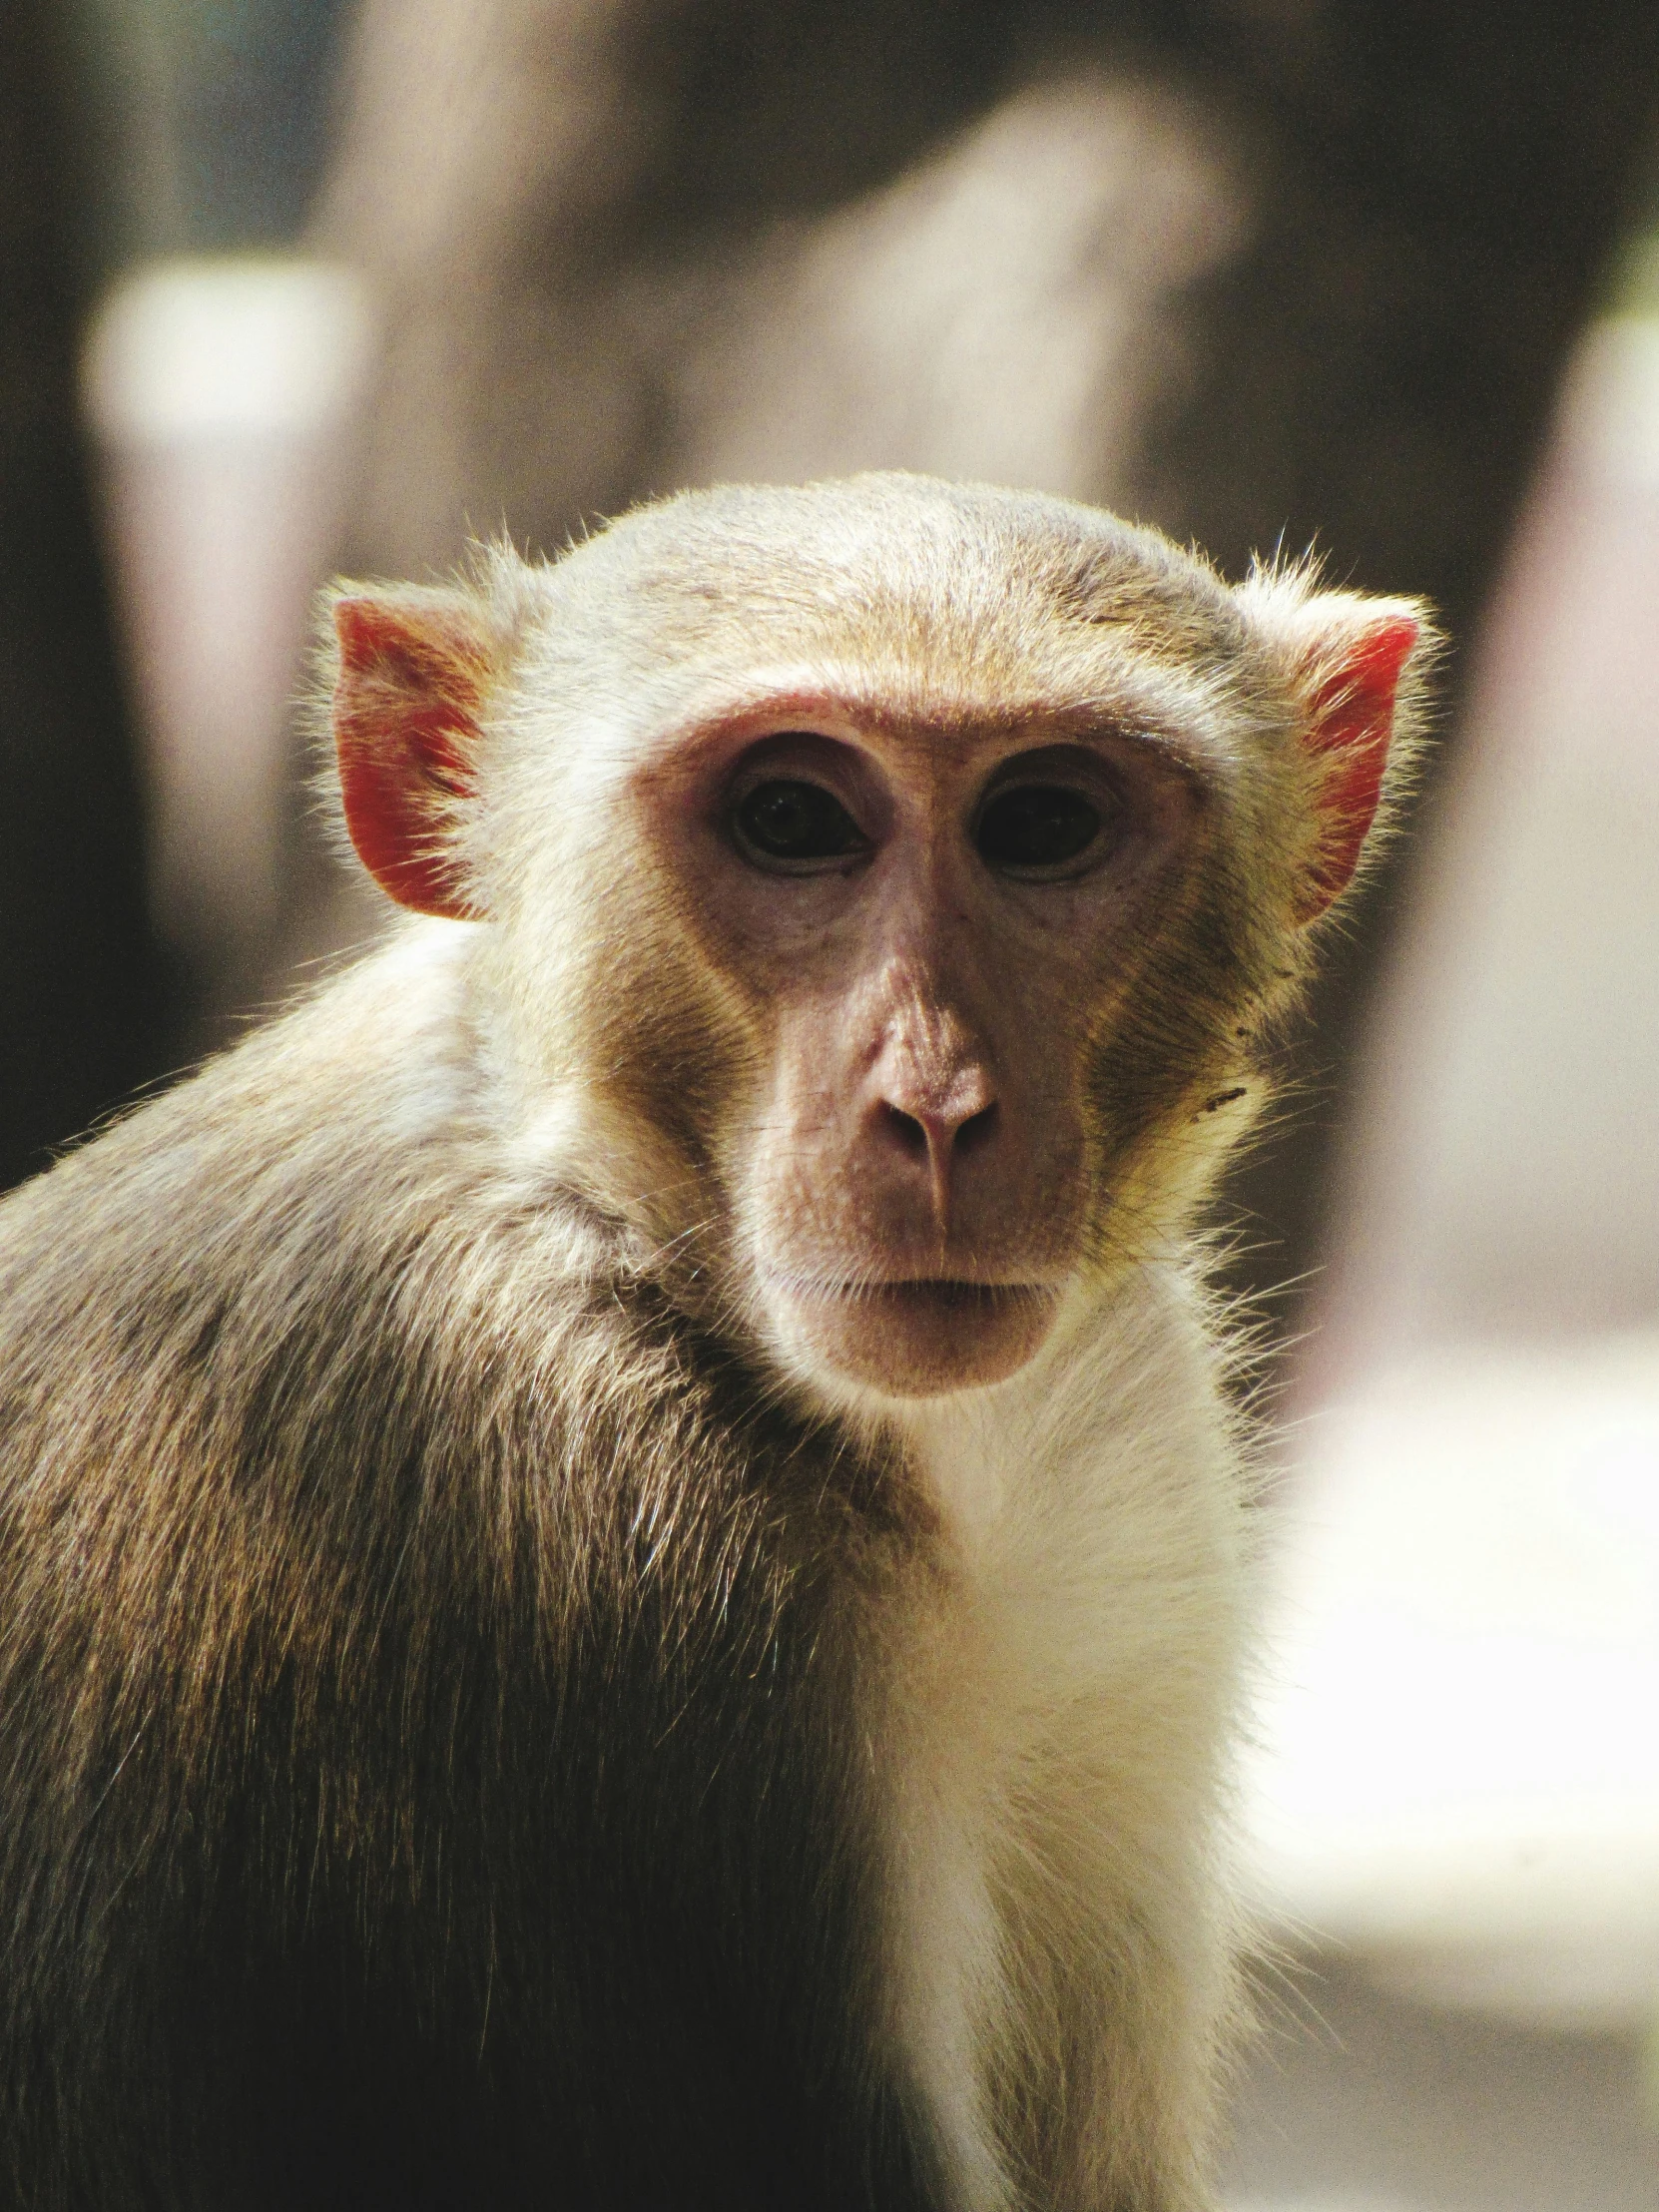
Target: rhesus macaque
{"points": [[622, 1554]]}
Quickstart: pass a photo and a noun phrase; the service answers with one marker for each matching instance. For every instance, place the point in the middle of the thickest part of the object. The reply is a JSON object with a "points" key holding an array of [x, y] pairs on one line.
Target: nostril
{"points": [[909, 1132], [920, 1139], [978, 1129]]}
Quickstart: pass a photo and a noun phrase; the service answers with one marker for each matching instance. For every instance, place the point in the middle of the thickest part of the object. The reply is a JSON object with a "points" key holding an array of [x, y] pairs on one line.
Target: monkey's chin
{"points": [[922, 1338]]}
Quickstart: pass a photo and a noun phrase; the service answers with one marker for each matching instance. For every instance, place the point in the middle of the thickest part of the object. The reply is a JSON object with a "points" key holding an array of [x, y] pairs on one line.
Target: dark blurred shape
{"points": [[252, 106], [1444, 187], [1310, 269], [209, 117], [80, 995]]}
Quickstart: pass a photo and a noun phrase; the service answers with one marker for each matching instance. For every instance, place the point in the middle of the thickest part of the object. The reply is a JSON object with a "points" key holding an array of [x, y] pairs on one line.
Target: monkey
{"points": [[625, 1554]]}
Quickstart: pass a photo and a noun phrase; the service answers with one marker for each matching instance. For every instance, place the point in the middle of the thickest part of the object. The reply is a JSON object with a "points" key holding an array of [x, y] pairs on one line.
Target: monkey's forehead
{"points": [[910, 566]]}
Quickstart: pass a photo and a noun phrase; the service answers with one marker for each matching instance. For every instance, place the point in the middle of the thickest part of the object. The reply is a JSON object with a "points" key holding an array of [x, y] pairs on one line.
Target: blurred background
{"points": [[289, 287]]}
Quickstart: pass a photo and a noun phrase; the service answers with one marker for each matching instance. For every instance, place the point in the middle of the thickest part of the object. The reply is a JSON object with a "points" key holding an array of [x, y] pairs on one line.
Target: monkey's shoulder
{"points": [[308, 1231]]}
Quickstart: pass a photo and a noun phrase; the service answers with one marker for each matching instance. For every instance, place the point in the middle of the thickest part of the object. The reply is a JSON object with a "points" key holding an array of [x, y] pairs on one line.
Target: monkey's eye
{"points": [[792, 825], [1033, 828]]}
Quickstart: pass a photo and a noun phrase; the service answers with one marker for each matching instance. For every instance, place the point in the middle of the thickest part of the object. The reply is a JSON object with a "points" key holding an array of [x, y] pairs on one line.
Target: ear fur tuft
{"points": [[1359, 666], [1351, 724], [414, 672]]}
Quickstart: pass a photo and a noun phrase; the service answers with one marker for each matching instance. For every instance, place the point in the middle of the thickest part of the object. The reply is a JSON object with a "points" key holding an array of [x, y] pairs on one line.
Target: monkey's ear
{"points": [[414, 670], [1353, 655]]}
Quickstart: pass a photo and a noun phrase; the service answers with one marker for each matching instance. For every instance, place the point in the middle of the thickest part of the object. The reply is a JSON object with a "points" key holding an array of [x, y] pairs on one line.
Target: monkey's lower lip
{"points": [[925, 1336]]}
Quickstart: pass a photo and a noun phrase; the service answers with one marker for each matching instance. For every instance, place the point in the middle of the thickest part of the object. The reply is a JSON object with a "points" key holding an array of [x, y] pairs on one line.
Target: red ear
{"points": [[1352, 723], [413, 674]]}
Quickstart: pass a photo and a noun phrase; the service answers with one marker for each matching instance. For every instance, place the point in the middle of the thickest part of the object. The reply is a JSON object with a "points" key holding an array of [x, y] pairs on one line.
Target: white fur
{"points": [[1060, 1719]]}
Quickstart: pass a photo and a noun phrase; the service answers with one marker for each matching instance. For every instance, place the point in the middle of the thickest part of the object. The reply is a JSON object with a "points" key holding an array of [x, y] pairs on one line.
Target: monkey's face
{"points": [[927, 924], [881, 886]]}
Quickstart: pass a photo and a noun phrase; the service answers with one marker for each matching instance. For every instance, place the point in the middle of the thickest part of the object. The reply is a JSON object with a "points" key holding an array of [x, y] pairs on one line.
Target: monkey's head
{"points": [[877, 893]]}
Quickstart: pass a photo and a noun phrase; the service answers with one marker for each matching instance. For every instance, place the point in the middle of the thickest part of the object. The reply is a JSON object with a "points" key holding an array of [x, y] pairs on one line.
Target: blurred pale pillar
{"points": [[223, 396], [1458, 1771], [1505, 1172]]}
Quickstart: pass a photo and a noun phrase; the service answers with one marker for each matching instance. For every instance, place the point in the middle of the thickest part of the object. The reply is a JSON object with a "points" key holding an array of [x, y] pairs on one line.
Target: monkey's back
{"points": [[429, 1751]]}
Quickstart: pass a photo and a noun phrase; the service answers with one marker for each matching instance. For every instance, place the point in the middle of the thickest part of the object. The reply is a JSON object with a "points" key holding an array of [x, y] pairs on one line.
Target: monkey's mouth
{"points": [[924, 1336], [930, 1294]]}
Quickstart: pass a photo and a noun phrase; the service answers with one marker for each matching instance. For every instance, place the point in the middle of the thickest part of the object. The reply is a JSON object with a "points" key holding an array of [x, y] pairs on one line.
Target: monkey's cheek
{"points": [[920, 1339]]}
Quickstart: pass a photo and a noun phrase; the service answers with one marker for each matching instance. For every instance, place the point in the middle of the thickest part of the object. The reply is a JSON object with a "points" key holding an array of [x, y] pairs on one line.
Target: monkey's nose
{"points": [[937, 1137], [927, 1135]]}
